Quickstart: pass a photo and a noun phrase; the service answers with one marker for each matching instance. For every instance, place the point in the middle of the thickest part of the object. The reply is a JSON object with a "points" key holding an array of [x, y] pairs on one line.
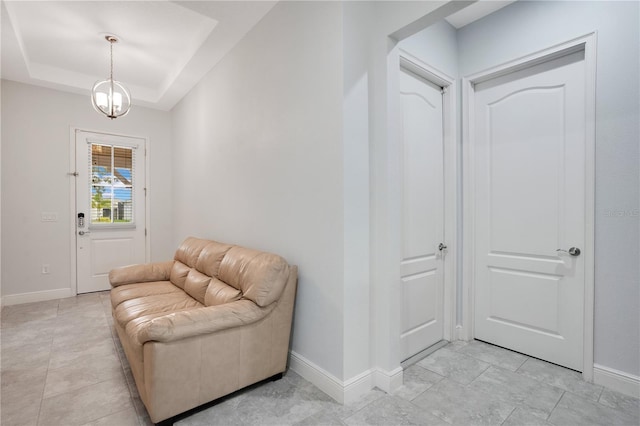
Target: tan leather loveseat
{"points": [[215, 319]]}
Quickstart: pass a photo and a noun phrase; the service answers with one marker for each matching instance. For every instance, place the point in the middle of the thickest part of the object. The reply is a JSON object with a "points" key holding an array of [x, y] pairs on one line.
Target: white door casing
{"points": [[422, 266], [114, 229], [529, 191]]}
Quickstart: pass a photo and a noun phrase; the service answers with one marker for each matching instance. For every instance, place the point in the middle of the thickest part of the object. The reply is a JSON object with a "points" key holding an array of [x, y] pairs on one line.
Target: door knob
{"points": [[573, 251], [83, 232], [442, 246]]}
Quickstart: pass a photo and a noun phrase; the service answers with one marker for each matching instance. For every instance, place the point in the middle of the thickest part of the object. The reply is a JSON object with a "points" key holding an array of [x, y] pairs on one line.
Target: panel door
{"points": [[529, 202], [422, 214], [110, 207]]}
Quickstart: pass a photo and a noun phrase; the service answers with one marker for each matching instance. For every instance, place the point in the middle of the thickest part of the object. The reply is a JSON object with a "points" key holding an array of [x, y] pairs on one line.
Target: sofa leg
{"points": [[276, 377]]}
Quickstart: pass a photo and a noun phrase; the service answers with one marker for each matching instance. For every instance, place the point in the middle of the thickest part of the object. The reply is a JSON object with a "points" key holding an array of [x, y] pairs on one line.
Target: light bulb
{"points": [[102, 100], [117, 101]]}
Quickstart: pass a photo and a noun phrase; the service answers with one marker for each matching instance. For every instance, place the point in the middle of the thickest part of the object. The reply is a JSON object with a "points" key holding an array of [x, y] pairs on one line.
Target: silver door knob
{"points": [[573, 251], [83, 232], [442, 246]]}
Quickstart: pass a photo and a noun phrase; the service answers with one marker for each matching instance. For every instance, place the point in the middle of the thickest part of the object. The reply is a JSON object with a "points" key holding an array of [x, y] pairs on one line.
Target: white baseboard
{"points": [[460, 334], [616, 380], [36, 296], [324, 380], [388, 381], [343, 392]]}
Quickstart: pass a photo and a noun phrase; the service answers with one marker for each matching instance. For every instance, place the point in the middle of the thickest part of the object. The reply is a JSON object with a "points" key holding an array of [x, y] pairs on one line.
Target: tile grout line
{"points": [[600, 396], [46, 376], [114, 336], [511, 371], [100, 418], [507, 418], [122, 369], [427, 411], [357, 411], [556, 406], [72, 390], [478, 376], [523, 362]]}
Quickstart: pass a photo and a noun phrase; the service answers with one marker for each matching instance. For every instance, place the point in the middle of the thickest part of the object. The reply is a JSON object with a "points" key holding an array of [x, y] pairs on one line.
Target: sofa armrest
{"points": [[158, 271], [206, 320]]}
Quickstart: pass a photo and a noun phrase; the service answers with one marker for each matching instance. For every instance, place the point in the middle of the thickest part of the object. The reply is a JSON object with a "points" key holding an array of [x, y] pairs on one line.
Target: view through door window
{"points": [[111, 171]]}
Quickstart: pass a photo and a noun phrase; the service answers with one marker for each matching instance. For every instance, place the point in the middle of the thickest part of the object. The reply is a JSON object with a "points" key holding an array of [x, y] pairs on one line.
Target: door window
{"points": [[111, 184]]}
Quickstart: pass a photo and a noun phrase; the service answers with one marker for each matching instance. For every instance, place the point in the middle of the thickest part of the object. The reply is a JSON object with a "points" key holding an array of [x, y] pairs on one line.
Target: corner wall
{"points": [[35, 165]]}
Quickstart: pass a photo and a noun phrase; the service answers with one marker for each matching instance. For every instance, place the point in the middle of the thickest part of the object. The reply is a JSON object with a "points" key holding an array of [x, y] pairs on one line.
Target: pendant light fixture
{"points": [[110, 97]]}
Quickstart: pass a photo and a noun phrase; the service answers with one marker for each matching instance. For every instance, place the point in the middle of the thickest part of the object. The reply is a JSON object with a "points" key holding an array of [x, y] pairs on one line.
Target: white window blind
{"points": [[111, 183]]}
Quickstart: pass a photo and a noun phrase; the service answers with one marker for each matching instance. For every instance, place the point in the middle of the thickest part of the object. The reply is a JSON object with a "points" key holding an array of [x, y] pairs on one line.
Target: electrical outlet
{"points": [[45, 269]]}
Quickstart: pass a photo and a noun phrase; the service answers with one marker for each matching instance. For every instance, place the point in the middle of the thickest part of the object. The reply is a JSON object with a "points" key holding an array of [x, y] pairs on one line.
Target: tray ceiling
{"points": [[166, 47]]}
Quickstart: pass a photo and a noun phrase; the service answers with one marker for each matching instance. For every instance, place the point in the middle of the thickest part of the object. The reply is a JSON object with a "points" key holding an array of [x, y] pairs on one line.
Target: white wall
{"points": [[356, 199], [35, 146], [525, 27], [258, 157], [437, 46]]}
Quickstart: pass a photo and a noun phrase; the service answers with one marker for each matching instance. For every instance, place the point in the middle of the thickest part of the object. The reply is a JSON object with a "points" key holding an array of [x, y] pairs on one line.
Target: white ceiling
{"points": [[476, 11], [166, 47]]}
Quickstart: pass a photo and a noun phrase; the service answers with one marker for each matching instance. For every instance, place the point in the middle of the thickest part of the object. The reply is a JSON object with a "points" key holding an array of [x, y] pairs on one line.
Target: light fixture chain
{"points": [[111, 78], [111, 54]]}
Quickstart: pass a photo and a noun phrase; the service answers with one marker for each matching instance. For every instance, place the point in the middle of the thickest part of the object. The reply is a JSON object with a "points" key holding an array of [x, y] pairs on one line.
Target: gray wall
{"points": [[525, 27], [36, 126], [258, 161], [436, 45]]}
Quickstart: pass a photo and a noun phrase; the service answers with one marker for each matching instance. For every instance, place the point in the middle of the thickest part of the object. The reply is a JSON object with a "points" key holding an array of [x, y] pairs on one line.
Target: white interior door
{"points": [[422, 214], [529, 195], [110, 206]]}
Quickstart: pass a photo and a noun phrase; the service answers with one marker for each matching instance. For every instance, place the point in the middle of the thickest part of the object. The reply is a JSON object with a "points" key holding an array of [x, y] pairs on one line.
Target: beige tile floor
{"points": [[61, 364]]}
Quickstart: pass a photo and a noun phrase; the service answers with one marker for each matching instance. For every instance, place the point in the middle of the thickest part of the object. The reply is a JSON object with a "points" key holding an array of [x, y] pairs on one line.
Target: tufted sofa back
{"points": [[214, 273]]}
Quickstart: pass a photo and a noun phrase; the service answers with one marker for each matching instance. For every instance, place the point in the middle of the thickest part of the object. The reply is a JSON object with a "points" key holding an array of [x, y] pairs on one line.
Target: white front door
{"points": [[529, 195], [110, 206], [422, 214]]}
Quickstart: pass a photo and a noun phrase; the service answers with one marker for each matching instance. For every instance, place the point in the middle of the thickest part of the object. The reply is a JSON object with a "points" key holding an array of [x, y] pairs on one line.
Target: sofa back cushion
{"points": [[214, 273], [186, 258], [260, 276], [196, 285], [189, 251], [219, 293], [179, 272], [210, 258]]}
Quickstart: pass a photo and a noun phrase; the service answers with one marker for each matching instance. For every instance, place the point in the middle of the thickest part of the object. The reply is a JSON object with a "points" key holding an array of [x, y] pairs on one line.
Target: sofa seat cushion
{"points": [[157, 303], [134, 291]]}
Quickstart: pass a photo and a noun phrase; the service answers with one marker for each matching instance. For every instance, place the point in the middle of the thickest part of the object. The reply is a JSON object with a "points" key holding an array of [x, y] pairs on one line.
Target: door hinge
{"points": [[145, 232], [443, 90], [145, 192]]}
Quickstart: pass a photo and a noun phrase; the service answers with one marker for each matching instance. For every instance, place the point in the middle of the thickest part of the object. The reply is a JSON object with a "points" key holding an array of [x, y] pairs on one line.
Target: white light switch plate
{"points": [[49, 217]]}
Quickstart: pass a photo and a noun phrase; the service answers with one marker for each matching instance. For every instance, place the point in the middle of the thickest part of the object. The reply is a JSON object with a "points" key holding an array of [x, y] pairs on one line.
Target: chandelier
{"points": [[110, 97]]}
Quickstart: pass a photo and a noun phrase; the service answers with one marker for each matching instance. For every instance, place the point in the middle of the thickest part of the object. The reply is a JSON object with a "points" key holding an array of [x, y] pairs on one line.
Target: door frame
{"points": [[450, 176], [73, 267], [586, 43]]}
